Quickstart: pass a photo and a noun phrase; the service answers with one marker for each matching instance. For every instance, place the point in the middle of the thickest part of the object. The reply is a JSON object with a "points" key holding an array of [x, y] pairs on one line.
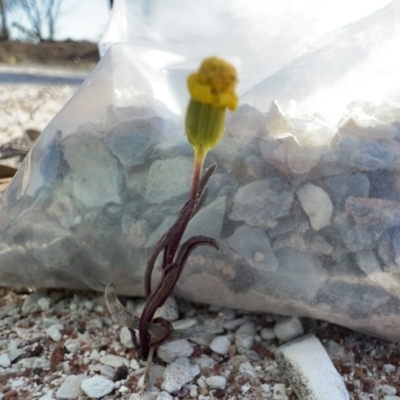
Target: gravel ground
{"points": [[52, 341]]}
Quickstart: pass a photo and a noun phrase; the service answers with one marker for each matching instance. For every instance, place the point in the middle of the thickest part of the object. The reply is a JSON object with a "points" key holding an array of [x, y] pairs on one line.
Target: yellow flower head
{"points": [[214, 83], [212, 91]]}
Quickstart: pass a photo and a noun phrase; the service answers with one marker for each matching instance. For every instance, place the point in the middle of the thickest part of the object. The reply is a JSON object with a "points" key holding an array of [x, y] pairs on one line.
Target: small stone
{"points": [[316, 204], [279, 391], [135, 364], [72, 345], [309, 370], [168, 179], [244, 337], [389, 368], [13, 351], [164, 396], [169, 310], [261, 202], [169, 352], [341, 187], [30, 303], [254, 246], [114, 361], [267, 334], [234, 324], [387, 389], [97, 386], [245, 388], [266, 387], [94, 355], [106, 370], [48, 395], [216, 382], [220, 344], [44, 303], [71, 387], [126, 338], [123, 389], [184, 323], [54, 332], [5, 361], [288, 328], [248, 370], [179, 373], [391, 397]]}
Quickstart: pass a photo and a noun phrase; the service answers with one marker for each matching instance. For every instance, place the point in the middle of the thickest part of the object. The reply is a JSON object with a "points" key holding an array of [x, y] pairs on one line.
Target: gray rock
{"points": [[106, 370], [254, 246], [169, 310], [164, 396], [93, 175], [267, 334], [316, 204], [168, 179], [176, 146], [208, 221], [261, 202], [288, 328], [156, 235], [310, 371], [364, 221], [54, 332], [169, 352], [245, 123], [132, 141], [297, 221], [71, 387], [369, 263], [300, 274], [310, 242], [72, 345], [97, 386], [244, 337], [179, 373], [341, 187]]}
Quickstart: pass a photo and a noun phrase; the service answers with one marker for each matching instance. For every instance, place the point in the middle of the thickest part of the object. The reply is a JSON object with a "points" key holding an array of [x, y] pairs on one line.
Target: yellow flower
{"points": [[212, 91], [214, 83]]}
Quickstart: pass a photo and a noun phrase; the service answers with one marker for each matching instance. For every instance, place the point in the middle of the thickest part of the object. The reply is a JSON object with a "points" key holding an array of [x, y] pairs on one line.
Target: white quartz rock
{"points": [[310, 371]]}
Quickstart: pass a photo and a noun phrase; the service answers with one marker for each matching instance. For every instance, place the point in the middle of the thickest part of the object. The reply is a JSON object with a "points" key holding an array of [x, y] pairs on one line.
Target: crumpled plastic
{"points": [[305, 201]]}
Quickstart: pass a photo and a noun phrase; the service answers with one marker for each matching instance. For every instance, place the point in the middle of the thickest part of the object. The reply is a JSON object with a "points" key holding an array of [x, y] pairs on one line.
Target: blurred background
{"points": [[47, 48]]}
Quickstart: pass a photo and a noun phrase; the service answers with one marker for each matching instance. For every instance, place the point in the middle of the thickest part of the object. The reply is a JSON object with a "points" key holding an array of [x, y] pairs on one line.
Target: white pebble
{"points": [[317, 205], [97, 386], [179, 373], [387, 389], [288, 328], [114, 361], [94, 355], [184, 323], [48, 395], [220, 344], [135, 364], [245, 388], [54, 332], [267, 334], [266, 387], [123, 389], [234, 324], [279, 391], [44, 303], [72, 345], [5, 361], [164, 396], [309, 370], [169, 352], [391, 398], [126, 338], [247, 370], [244, 337], [216, 382], [71, 387], [389, 368], [106, 370]]}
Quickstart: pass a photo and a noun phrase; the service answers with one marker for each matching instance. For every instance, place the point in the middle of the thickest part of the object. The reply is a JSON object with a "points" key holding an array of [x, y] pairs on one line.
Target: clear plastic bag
{"points": [[305, 202]]}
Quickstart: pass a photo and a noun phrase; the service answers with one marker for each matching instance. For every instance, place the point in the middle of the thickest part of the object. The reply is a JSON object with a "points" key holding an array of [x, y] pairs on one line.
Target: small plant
{"points": [[212, 90]]}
